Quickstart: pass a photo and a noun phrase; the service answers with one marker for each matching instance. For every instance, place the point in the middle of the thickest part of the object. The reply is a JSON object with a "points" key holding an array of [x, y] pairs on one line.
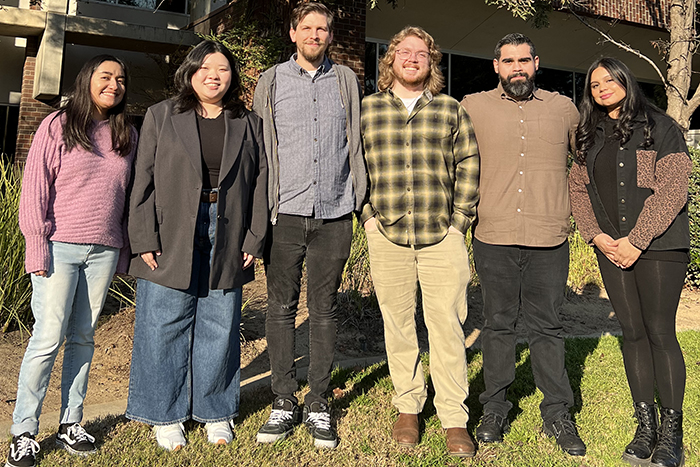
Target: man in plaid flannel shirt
{"points": [[423, 167]]}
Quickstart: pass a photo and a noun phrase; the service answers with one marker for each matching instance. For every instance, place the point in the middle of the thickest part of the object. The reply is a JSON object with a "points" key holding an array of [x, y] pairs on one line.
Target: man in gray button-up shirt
{"points": [[311, 117]]}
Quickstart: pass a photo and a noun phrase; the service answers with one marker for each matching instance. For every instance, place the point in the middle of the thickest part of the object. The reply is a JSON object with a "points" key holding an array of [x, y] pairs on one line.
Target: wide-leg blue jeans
{"points": [[186, 356]]}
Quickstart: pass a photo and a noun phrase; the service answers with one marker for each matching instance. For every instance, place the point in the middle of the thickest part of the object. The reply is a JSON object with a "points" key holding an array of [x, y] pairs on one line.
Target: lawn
{"points": [[364, 416]]}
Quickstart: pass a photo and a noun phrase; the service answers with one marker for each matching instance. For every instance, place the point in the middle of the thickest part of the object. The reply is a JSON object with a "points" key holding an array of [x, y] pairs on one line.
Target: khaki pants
{"points": [[443, 272]]}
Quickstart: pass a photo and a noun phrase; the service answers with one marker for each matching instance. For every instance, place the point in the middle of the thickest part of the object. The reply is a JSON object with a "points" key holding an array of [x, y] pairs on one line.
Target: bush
{"points": [[15, 286]]}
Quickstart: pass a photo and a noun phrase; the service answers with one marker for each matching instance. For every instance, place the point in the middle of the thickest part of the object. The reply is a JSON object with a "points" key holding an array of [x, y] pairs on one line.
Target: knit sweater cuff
{"points": [[37, 257]]}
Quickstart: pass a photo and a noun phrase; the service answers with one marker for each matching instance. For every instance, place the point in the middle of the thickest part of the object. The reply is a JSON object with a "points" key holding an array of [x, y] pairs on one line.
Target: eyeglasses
{"points": [[404, 54]]}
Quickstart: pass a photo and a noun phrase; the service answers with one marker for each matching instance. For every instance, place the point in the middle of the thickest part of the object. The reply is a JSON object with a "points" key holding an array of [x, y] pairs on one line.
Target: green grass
{"points": [[603, 410]]}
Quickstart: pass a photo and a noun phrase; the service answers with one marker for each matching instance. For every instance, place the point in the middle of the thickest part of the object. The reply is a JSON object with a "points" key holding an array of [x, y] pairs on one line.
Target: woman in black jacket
{"points": [[198, 217], [629, 190]]}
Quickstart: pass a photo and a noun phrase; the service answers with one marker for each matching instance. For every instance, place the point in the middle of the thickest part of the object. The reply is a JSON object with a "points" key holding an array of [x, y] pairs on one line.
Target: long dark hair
{"points": [[79, 110], [635, 106], [185, 97]]}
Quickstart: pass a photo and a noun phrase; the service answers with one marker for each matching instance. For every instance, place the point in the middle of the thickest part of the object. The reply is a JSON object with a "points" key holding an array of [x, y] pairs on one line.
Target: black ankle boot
{"points": [[642, 445], [669, 447]]}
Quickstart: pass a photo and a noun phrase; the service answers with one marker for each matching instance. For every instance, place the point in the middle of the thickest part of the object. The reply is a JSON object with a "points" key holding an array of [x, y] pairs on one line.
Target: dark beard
{"points": [[519, 89]]}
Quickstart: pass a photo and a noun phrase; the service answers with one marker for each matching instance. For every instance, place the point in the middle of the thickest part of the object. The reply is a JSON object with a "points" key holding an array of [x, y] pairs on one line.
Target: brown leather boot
{"points": [[406, 430], [460, 443]]}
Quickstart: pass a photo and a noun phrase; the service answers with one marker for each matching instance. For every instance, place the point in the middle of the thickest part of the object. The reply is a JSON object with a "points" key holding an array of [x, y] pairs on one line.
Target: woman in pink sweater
{"points": [[73, 219]]}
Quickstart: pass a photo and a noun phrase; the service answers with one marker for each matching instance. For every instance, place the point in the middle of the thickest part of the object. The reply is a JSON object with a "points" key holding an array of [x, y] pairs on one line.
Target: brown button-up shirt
{"points": [[523, 147]]}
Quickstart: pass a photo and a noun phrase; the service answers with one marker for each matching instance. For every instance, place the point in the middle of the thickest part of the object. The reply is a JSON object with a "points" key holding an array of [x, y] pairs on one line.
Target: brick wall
{"points": [[348, 47], [31, 111], [653, 13]]}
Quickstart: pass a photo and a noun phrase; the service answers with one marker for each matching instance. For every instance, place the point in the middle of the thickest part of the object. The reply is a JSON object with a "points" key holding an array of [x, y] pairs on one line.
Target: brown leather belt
{"points": [[209, 197]]}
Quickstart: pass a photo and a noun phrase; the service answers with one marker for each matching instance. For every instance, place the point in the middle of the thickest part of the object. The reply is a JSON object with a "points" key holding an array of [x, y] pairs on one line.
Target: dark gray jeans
{"points": [[326, 246], [533, 280]]}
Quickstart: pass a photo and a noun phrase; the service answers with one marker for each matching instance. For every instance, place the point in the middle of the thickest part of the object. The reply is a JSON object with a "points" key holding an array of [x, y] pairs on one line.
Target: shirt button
{"points": [[409, 212], [408, 166], [624, 219], [315, 161], [407, 143], [521, 121], [518, 209], [408, 189], [520, 190], [521, 172], [520, 106], [622, 200], [522, 137], [315, 139], [621, 148], [622, 183], [622, 164], [522, 155], [314, 182], [315, 119]]}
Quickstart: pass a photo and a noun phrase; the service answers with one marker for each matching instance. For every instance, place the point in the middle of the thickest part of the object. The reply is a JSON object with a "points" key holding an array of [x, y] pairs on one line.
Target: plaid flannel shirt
{"points": [[423, 167]]}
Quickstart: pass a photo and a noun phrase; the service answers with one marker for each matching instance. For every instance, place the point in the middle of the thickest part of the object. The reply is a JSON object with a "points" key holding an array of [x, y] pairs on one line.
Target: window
{"points": [[175, 6]]}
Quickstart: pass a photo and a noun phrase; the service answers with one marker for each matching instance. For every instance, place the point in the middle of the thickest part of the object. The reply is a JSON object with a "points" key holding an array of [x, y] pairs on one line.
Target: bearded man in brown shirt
{"points": [[520, 237]]}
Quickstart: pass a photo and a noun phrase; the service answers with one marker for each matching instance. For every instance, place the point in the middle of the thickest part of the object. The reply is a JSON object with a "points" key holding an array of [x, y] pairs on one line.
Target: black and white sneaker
{"points": [[23, 451], [74, 439], [317, 418], [284, 417]]}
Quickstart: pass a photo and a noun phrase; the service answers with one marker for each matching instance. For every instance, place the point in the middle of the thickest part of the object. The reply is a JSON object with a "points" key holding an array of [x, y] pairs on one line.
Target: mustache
{"points": [[516, 74]]}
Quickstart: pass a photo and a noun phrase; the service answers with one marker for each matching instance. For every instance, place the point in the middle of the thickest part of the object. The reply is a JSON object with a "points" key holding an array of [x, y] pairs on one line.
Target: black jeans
{"points": [[326, 246], [532, 280]]}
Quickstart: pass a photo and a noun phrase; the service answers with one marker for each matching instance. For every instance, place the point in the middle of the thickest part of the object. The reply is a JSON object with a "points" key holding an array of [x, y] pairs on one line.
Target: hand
{"points": [[150, 259], [41, 273], [454, 230], [370, 224], [247, 260], [606, 244], [626, 254]]}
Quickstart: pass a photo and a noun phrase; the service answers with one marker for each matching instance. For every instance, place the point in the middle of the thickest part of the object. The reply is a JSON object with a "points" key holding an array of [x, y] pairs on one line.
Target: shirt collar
{"points": [[324, 68], [536, 94], [426, 93]]}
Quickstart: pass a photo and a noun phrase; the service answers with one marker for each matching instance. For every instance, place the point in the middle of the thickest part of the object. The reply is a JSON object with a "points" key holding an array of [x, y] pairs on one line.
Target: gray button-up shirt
{"points": [[312, 143]]}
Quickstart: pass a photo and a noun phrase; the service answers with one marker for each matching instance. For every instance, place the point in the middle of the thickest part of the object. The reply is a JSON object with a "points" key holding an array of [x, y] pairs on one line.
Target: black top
{"points": [[211, 140]]}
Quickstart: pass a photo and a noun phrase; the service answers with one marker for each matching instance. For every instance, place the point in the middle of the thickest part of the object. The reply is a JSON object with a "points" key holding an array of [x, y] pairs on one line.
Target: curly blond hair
{"points": [[435, 80]]}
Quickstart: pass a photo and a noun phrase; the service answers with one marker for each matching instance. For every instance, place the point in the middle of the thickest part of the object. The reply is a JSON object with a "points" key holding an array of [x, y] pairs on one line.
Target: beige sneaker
{"points": [[170, 437]]}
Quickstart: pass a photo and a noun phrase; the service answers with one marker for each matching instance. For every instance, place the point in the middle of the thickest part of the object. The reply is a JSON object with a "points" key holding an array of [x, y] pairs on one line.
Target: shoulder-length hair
{"points": [[79, 108], [634, 106], [435, 81], [186, 98]]}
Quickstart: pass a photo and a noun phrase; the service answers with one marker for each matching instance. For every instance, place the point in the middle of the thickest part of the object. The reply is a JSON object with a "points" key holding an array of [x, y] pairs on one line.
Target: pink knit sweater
{"points": [[73, 196]]}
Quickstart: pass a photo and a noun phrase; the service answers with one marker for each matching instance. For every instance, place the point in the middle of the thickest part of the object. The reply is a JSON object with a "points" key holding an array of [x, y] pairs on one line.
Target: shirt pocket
{"points": [[552, 130], [646, 162]]}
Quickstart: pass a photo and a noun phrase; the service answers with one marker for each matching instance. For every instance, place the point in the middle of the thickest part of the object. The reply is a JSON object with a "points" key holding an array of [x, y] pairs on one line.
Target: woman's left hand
{"points": [[247, 260], [626, 254]]}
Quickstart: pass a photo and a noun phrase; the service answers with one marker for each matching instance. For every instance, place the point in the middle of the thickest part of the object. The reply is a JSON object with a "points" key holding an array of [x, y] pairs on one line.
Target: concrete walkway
{"points": [[50, 421]]}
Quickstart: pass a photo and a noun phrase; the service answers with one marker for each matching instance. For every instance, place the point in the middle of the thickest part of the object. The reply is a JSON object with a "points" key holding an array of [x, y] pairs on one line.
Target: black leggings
{"points": [[645, 299]]}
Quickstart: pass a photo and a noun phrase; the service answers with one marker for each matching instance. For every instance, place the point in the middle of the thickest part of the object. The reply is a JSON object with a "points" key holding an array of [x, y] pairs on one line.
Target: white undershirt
{"points": [[410, 103]]}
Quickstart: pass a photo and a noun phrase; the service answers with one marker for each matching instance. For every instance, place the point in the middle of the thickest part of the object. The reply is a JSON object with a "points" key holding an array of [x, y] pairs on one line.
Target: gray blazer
{"points": [[166, 194]]}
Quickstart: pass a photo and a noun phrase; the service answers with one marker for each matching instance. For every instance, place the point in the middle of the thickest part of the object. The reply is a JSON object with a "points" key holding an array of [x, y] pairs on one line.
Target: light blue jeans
{"points": [[186, 357], [66, 304]]}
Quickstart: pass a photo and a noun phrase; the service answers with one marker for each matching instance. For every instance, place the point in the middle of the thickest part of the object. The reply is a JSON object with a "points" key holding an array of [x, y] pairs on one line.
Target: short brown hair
{"points": [[435, 81], [303, 9]]}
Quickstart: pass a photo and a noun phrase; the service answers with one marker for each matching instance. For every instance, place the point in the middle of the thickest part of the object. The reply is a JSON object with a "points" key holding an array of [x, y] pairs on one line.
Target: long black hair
{"points": [[634, 106], [185, 97], [79, 111]]}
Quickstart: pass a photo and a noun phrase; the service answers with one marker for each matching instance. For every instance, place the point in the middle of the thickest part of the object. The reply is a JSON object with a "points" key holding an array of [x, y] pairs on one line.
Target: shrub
{"points": [[15, 286]]}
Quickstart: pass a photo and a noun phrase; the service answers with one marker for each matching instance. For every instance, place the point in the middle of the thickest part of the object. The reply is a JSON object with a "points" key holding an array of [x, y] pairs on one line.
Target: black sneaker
{"points": [[74, 439], [563, 429], [492, 428], [23, 451], [317, 418], [284, 417]]}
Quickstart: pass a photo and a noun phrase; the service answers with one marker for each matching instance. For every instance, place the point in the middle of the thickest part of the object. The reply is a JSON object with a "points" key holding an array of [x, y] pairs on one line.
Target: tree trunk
{"points": [[680, 56]]}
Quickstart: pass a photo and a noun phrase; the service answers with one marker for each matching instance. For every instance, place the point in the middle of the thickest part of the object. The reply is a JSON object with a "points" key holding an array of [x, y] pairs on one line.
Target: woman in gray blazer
{"points": [[197, 221]]}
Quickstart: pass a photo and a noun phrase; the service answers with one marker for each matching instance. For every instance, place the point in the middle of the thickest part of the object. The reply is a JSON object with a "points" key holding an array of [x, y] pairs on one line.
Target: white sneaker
{"points": [[220, 432], [170, 437]]}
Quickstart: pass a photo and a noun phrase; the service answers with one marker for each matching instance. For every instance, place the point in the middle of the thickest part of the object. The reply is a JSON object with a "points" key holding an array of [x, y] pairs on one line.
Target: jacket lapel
{"points": [[235, 131], [185, 125]]}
